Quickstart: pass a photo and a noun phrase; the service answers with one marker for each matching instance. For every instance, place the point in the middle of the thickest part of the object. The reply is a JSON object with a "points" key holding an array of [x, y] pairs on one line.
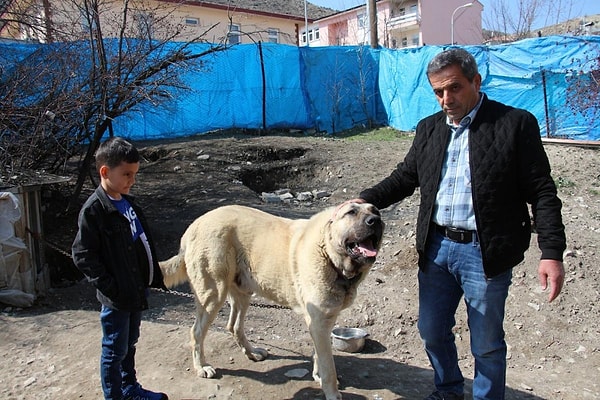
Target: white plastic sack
{"points": [[16, 298], [10, 212]]}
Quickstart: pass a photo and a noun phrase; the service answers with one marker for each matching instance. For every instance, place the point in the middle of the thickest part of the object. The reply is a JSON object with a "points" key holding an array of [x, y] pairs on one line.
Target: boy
{"points": [[114, 250]]}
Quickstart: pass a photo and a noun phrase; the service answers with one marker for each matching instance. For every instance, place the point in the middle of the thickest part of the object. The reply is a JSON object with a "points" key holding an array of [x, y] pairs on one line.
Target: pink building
{"points": [[401, 24]]}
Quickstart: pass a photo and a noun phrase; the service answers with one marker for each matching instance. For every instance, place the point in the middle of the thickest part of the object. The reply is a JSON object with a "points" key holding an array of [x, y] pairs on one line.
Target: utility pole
{"points": [[306, 22], [372, 11]]}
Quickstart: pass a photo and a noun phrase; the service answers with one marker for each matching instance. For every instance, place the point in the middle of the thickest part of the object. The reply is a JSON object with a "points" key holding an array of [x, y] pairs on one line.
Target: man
{"points": [[478, 163]]}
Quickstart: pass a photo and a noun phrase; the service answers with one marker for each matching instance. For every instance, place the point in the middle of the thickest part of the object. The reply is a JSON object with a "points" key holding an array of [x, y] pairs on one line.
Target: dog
{"points": [[312, 266]]}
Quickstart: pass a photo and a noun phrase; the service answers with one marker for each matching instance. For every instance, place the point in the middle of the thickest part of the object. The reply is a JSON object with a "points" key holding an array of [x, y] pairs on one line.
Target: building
{"points": [[215, 21], [401, 24]]}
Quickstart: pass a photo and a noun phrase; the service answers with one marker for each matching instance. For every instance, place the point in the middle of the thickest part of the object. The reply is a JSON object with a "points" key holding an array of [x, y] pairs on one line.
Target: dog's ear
{"points": [[334, 215]]}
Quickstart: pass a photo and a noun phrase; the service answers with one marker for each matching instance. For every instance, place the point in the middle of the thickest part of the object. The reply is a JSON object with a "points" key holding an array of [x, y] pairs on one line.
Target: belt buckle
{"points": [[458, 235]]}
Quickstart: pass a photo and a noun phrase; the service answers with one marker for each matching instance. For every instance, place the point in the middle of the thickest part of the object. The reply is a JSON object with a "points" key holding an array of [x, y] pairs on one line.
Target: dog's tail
{"points": [[174, 271]]}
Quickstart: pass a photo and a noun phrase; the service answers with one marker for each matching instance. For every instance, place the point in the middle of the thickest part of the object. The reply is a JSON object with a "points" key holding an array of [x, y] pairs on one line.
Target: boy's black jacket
{"points": [[106, 254]]}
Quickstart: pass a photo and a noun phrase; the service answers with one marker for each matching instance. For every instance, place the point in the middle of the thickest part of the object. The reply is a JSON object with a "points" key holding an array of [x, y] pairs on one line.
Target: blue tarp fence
{"points": [[331, 89]]}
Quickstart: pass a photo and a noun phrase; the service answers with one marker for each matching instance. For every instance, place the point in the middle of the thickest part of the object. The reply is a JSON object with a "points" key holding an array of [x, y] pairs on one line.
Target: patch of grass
{"points": [[563, 183], [383, 134]]}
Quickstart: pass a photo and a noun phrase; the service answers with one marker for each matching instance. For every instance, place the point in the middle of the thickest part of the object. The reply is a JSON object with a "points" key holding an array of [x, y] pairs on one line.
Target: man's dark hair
{"points": [[114, 151], [457, 56]]}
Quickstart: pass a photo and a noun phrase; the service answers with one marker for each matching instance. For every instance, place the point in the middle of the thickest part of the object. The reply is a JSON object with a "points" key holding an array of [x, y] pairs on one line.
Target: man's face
{"points": [[456, 95]]}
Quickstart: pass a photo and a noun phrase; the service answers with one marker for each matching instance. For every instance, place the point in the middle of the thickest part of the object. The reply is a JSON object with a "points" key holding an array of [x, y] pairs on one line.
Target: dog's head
{"points": [[354, 237]]}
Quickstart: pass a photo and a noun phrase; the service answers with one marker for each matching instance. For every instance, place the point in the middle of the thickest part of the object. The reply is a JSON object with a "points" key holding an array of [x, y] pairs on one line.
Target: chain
{"points": [[169, 291], [175, 292], [263, 305], [190, 295], [44, 241]]}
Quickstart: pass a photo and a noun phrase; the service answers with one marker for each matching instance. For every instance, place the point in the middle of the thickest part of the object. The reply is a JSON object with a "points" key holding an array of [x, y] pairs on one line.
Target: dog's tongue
{"points": [[366, 249]]}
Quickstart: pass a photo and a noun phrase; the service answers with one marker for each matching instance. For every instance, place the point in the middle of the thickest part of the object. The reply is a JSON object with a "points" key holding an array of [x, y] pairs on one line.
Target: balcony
{"points": [[403, 21]]}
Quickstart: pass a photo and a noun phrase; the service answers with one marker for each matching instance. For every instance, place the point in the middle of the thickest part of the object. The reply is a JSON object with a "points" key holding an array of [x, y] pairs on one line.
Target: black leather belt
{"points": [[457, 235]]}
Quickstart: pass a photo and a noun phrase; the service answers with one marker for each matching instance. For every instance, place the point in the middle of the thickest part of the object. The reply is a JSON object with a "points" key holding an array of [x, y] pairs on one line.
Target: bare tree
{"points": [[583, 93], [65, 95], [21, 20], [558, 11], [514, 20], [366, 93]]}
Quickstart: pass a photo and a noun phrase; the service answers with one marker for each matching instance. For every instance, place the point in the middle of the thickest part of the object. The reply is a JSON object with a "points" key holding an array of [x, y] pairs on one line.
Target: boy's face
{"points": [[118, 180]]}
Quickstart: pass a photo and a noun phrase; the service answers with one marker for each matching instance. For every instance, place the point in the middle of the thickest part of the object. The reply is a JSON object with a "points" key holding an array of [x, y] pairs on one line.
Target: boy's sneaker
{"points": [[139, 393], [437, 395]]}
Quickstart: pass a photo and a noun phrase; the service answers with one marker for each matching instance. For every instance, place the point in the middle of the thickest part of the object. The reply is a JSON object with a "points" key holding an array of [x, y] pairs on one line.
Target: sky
{"points": [[578, 8]]}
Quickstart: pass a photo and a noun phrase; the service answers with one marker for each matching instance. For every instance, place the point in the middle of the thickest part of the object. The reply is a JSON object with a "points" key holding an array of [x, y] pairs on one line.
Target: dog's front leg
{"points": [[324, 367]]}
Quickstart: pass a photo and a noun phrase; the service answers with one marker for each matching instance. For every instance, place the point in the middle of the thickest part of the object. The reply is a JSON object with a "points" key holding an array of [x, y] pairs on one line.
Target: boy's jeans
{"points": [[453, 270], [121, 330]]}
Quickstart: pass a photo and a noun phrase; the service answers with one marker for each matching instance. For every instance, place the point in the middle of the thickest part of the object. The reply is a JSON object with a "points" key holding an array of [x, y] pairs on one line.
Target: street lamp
{"points": [[452, 22], [305, 22]]}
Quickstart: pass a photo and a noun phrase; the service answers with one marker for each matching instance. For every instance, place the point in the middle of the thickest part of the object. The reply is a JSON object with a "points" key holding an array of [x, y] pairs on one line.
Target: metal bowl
{"points": [[349, 340]]}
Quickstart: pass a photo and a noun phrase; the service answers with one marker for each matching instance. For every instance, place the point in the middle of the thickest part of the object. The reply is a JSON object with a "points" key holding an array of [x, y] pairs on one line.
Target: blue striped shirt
{"points": [[454, 200]]}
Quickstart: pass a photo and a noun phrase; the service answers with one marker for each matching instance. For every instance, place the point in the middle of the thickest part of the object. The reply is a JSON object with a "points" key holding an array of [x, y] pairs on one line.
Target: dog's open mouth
{"points": [[366, 248]]}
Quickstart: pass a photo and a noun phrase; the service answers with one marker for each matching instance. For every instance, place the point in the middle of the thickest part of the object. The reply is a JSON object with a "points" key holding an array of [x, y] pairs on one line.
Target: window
{"points": [[361, 20], [415, 39], [404, 42], [273, 35], [397, 11], [233, 36], [313, 34], [191, 21]]}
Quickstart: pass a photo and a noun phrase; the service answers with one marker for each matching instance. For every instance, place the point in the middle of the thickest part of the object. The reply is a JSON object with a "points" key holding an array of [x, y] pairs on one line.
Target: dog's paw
{"points": [[317, 378], [332, 394], [258, 354], [207, 371]]}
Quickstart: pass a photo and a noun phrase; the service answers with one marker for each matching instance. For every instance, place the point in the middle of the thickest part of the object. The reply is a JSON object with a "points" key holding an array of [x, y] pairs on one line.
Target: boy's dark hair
{"points": [[456, 56], [114, 151]]}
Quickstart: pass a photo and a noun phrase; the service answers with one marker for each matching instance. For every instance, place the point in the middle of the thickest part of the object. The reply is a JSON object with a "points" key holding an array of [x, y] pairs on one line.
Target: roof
{"points": [[290, 8], [25, 179]]}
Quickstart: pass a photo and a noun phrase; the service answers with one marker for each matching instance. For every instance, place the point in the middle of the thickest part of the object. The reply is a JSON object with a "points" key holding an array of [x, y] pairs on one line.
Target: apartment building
{"points": [[216, 21], [400, 24]]}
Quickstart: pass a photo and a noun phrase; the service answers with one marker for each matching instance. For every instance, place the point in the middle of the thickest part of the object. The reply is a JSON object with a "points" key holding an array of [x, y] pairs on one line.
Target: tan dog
{"points": [[310, 265]]}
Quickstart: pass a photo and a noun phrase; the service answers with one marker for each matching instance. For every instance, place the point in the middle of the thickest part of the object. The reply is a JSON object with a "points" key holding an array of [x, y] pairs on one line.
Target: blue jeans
{"points": [[453, 270], [121, 330]]}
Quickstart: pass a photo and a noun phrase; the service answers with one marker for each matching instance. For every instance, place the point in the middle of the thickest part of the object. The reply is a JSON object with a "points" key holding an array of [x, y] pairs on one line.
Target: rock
{"points": [[304, 196], [270, 198], [29, 381], [526, 387], [319, 194], [296, 373], [286, 196]]}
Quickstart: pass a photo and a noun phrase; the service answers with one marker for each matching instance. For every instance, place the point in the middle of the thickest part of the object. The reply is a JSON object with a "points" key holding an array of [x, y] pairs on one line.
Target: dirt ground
{"points": [[52, 349]]}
